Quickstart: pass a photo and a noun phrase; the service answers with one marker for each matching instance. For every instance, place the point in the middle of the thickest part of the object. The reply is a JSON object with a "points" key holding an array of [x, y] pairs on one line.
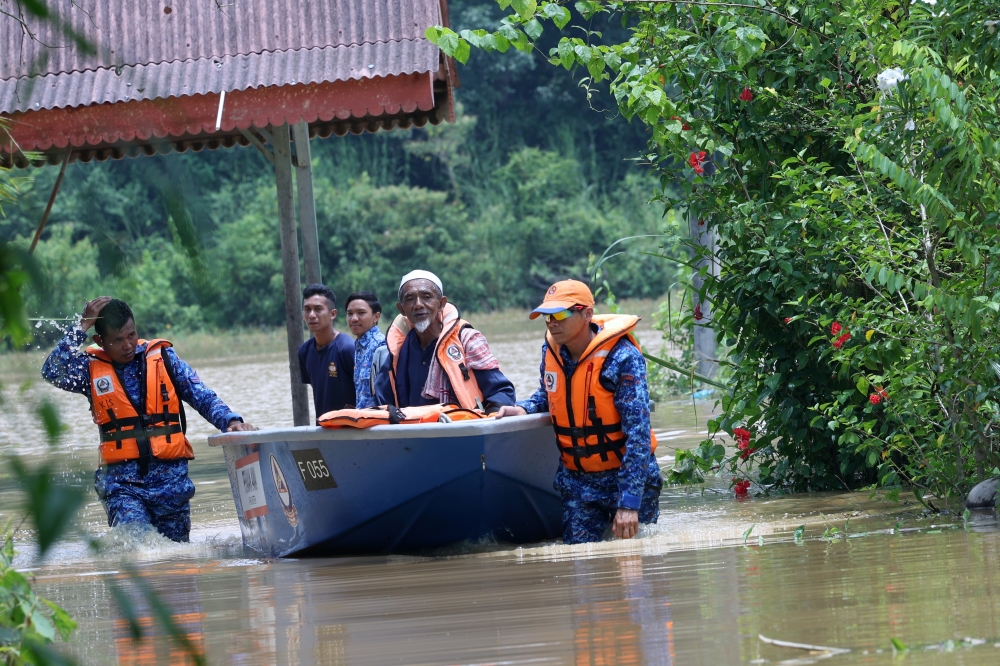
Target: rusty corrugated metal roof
{"points": [[144, 51], [191, 77]]}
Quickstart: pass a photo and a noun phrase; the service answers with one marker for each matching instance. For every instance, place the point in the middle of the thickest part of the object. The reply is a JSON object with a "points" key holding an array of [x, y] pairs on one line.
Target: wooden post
{"points": [[290, 269], [307, 203], [705, 347]]}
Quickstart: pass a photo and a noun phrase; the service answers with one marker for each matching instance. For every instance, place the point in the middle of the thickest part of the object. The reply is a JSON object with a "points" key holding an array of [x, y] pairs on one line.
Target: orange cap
{"points": [[562, 296]]}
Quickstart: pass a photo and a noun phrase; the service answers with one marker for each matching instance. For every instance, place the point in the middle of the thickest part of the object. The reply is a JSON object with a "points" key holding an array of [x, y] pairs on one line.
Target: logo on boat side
{"points": [[248, 481], [103, 386], [284, 494], [551, 382], [454, 353]]}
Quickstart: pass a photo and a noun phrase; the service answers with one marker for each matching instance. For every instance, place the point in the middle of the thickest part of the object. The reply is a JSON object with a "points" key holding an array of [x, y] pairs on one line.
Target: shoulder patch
{"points": [[454, 353]]}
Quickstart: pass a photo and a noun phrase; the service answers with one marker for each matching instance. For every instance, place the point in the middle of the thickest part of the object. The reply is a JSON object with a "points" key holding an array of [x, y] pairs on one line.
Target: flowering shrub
{"points": [[861, 187]]}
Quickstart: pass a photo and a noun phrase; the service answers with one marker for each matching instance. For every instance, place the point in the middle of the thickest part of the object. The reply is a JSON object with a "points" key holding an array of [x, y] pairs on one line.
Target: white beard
{"points": [[422, 325]]}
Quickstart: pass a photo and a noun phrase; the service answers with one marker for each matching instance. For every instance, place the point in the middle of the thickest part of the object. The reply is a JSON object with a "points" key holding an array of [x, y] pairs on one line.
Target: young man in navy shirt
{"points": [[327, 358]]}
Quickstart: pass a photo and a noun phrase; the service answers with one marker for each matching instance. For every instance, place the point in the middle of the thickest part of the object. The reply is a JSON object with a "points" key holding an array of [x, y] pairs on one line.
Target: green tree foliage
{"points": [[846, 153], [501, 249]]}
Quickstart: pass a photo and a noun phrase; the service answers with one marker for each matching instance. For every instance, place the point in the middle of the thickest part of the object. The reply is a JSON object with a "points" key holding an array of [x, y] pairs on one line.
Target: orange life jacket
{"points": [[588, 427], [160, 421], [367, 418], [449, 351]]}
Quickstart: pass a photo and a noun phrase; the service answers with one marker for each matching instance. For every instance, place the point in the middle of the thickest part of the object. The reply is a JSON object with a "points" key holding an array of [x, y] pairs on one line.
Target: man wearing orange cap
{"points": [[593, 383]]}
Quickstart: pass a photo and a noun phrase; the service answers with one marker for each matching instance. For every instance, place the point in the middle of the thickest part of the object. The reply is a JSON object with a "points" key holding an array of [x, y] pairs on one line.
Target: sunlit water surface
{"points": [[693, 589]]}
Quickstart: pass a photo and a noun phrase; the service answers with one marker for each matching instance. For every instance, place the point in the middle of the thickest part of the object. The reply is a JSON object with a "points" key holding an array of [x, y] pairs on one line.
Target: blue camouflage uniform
{"points": [[591, 499], [364, 350], [161, 497]]}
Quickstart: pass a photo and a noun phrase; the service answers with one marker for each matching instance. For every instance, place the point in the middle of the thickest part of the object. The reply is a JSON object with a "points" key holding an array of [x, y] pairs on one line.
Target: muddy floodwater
{"points": [[700, 587]]}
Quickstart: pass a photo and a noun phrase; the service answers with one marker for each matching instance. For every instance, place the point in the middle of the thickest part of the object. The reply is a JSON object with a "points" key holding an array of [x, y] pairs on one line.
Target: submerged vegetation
{"points": [[845, 155]]}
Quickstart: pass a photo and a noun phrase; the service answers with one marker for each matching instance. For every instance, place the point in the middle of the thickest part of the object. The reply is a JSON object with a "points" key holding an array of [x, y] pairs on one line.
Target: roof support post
{"points": [[307, 203], [290, 269]]}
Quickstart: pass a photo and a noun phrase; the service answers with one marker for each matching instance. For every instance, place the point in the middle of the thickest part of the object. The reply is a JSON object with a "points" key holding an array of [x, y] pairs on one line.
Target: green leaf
{"points": [[746, 535], [433, 34], [560, 15], [49, 417], [533, 29], [800, 532], [51, 503], [41, 623], [64, 623], [898, 645], [588, 8], [566, 54], [862, 384], [462, 51], [127, 609], [524, 8], [445, 39]]}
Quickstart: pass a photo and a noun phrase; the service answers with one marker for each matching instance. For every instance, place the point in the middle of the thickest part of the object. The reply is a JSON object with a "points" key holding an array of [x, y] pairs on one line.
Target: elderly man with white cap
{"points": [[435, 356]]}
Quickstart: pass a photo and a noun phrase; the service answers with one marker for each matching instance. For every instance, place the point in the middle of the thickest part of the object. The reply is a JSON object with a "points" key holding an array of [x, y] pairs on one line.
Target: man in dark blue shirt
{"points": [[326, 360]]}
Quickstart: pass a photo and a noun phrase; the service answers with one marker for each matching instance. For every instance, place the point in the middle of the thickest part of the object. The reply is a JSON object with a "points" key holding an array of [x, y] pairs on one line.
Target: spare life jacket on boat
{"points": [[449, 352], [390, 415], [588, 427], [154, 429]]}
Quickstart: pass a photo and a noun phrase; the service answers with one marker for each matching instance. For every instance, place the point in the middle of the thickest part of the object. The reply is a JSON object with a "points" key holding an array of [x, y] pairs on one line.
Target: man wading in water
{"points": [[135, 388], [435, 357], [593, 384]]}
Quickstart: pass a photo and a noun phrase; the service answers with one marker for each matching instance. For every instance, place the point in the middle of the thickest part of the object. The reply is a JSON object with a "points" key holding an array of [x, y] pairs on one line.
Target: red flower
{"points": [[698, 315], [746, 95], [839, 342], [684, 125], [836, 328], [788, 320], [878, 396], [696, 161], [741, 487], [742, 436]]}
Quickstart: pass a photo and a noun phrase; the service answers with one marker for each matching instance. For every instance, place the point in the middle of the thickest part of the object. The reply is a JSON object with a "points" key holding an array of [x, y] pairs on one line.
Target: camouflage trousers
{"points": [[590, 502], [160, 498]]}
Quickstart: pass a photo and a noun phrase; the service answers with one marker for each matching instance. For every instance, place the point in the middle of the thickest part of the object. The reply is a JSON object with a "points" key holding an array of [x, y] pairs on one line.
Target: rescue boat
{"points": [[312, 491]]}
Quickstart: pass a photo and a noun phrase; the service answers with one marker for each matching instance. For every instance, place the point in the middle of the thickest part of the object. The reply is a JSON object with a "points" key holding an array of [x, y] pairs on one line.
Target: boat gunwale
{"points": [[383, 432]]}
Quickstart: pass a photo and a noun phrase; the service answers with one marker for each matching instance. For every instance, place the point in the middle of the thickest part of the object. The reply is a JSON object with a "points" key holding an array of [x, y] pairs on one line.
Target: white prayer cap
{"points": [[419, 275]]}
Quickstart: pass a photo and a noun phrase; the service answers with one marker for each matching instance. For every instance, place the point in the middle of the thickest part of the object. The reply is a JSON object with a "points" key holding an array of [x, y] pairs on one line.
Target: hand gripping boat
{"points": [[393, 488]]}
